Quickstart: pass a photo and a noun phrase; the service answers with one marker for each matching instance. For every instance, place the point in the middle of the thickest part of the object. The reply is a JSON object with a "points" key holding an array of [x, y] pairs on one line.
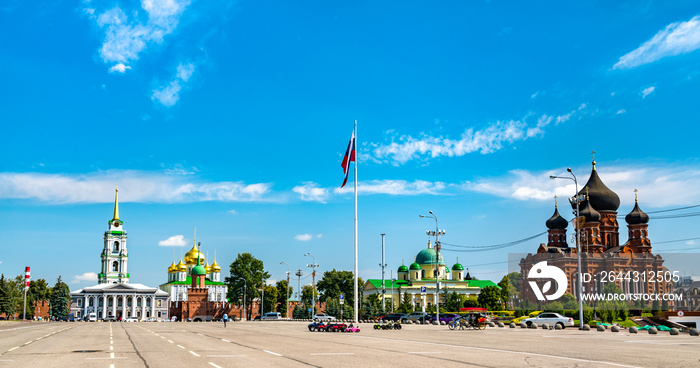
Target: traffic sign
{"points": [[342, 296], [680, 313], [423, 289]]}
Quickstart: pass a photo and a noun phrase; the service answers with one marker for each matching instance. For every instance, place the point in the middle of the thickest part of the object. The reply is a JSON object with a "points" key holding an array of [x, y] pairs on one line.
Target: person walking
{"points": [[225, 318]]}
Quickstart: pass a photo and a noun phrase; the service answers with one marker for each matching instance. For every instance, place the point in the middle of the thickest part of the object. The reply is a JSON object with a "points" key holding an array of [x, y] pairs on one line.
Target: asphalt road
{"points": [[290, 344]]}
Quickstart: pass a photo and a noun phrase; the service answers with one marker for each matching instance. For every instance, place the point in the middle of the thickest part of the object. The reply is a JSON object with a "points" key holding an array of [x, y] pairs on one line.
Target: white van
{"points": [[271, 316], [92, 317]]}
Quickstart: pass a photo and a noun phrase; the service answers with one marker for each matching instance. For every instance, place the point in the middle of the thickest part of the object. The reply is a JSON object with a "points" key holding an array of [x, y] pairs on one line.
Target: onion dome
{"points": [[403, 268], [192, 255], [198, 270], [590, 213], [601, 197], [427, 256], [207, 268], [172, 268], [468, 277], [181, 267], [215, 267], [415, 266], [637, 216], [457, 267], [556, 222]]}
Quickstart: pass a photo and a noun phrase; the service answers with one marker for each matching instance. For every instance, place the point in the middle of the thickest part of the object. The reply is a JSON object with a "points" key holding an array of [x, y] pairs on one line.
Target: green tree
{"points": [[490, 298], [333, 283], [506, 291], [568, 301], [307, 292], [271, 298], [405, 306], [471, 302], [8, 302], [514, 279], [60, 299], [453, 301], [282, 291], [371, 306], [245, 280]]}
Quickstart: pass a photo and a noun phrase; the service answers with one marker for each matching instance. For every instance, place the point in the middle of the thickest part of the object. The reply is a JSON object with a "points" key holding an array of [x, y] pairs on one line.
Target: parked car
{"points": [[151, 319], [550, 318], [415, 317], [131, 319], [445, 317], [323, 317], [256, 318], [110, 319], [394, 317], [271, 316], [318, 326]]}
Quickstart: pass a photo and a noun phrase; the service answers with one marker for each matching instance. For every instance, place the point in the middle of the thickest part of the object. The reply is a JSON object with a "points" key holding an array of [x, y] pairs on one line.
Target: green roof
{"points": [[458, 267], [415, 266], [188, 281], [198, 270], [377, 283], [482, 283], [403, 268]]}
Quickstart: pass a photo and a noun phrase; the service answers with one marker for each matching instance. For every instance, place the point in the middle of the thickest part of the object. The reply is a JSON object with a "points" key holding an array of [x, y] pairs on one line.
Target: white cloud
{"points": [[394, 187], [87, 276], [125, 38], [173, 241], [677, 38], [310, 191], [167, 95], [184, 71], [179, 169], [119, 68], [135, 186], [487, 140], [621, 111], [232, 212], [303, 237], [690, 242], [658, 186], [647, 91]]}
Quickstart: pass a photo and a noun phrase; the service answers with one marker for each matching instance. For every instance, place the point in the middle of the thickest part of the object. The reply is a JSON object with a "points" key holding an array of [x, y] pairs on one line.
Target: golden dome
{"points": [[215, 267], [207, 268], [181, 267], [172, 268], [191, 256]]}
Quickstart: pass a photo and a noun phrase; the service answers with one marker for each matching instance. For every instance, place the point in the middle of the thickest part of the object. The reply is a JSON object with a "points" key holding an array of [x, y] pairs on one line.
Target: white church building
{"points": [[114, 296]]}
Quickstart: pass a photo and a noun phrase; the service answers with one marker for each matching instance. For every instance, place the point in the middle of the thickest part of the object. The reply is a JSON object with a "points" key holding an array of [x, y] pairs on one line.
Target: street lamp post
{"points": [[287, 313], [383, 265], [437, 264], [313, 266], [576, 199], [262, 298], [245, 287]]}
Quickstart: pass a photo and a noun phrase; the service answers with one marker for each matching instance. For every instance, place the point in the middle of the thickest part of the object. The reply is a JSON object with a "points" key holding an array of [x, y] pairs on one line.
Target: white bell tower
{"points": [[114, 254]]}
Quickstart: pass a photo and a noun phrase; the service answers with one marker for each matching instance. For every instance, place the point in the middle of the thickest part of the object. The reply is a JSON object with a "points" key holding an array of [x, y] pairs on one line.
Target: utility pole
{"points": [[299, 273], [262, 300], [287, 300], [383, 265], [26, 288], [313, 266]]}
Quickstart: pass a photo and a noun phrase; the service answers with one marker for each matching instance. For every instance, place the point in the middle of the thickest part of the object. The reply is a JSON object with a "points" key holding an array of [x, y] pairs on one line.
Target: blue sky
{"points": [[233, 117]]}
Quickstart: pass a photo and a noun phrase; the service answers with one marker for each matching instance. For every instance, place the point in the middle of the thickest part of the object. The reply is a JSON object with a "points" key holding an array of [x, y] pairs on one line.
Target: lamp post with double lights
{"points": [[313, 266], [577, 198], [436, 233], [287, 313]]}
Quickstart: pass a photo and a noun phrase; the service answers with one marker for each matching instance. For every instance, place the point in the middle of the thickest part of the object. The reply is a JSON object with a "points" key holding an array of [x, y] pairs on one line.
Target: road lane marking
{"points": [[111, 366], [111, 355], [503, 351], [104, 358], [180, 346], [224, 340], [171, 341], [5, 360], [193, 353], [16, 347], [332, 353], [224, 356], [214, 365], [273, 353], [424, 352], [111, 348]]}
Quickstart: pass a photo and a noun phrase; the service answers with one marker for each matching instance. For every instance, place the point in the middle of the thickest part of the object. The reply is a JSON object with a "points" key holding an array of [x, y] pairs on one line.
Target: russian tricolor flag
{"points": [[349, 157]]}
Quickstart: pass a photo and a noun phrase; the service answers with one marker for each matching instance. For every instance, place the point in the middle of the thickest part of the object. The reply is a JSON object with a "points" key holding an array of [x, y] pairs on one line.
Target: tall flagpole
{"points": [[356, 160]]}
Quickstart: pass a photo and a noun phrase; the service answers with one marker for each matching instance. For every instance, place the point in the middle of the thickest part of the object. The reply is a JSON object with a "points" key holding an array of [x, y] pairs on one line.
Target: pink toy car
{"points": [[352, 328]]}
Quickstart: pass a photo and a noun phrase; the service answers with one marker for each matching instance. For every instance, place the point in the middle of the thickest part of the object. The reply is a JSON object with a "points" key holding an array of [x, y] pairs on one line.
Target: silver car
{"points": [[550, 318], [323, 317]]}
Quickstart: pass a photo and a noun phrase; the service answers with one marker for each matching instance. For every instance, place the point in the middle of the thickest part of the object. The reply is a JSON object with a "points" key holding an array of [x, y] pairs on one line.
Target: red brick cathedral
{"points": [[631, 265]]}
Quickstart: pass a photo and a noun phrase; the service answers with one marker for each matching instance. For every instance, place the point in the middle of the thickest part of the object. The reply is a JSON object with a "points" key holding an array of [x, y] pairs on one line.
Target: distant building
{"points": [[689, 287], [602, 254], [422, 274], [196, 291], [114, 296]]}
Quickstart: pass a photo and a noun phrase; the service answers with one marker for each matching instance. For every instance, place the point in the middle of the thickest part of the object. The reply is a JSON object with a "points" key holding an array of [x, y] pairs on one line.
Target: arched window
{"points": [[608, 241], [116, 246], [422, 273], [115, 266]]}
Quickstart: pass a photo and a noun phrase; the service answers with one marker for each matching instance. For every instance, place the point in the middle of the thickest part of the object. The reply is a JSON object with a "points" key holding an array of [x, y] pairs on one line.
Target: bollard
{"points": [[511, 325], [545, 326], [653, 331], [615, 329], [600, 327], [674, 331], [586, 327], [633, 330], [694, 332]]}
